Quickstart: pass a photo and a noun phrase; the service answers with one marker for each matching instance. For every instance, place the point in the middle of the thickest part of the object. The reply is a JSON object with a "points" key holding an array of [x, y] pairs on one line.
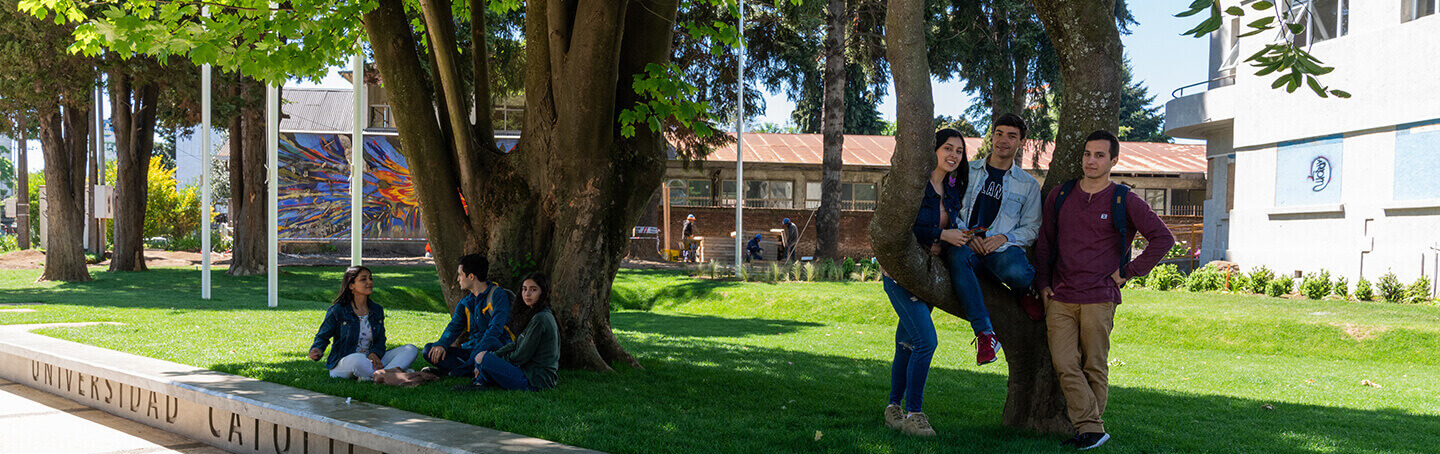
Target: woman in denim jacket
{"points": [[915, 338], [358, 327]]}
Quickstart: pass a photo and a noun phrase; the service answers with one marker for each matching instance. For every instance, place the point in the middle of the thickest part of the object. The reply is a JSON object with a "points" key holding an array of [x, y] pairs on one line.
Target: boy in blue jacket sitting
{"points": [[478, 324]]}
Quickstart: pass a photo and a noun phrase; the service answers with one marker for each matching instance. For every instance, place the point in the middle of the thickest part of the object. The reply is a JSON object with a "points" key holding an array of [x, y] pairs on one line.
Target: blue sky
{"points": [[1162, 58]]}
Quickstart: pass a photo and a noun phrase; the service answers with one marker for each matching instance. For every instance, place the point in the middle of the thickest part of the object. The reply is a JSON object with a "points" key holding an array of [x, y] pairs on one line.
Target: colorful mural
{"points": [[315, 189]]}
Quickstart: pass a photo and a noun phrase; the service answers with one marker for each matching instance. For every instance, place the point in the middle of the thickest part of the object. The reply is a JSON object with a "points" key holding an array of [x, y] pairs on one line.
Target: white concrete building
{"points": [[1301, 183]]}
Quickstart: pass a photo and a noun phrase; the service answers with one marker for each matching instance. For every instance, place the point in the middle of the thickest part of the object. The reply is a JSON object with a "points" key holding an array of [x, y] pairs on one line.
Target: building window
{"points": [[1417, 160], [1187, 202], [1323, 19], [1156, 199], [853, 196], [1309, 172], [857, 196], [1416, 9], [761, 194], [380, 117], [690, 193]]}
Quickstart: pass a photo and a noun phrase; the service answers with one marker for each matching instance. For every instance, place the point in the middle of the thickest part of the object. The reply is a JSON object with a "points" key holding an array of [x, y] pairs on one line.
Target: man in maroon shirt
{"points": [[1079, 273]]}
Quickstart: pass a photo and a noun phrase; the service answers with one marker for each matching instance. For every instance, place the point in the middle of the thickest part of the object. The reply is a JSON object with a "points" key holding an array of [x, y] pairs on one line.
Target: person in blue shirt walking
{"points": [[476, 326], [357, 325]]}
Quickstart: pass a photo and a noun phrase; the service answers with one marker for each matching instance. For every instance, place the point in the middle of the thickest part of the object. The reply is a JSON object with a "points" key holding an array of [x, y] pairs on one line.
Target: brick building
{"points": [[782, 179]]}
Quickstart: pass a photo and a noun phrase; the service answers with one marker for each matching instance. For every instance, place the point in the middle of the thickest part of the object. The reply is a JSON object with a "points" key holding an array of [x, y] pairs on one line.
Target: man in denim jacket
{"points": [[1004, 200]]}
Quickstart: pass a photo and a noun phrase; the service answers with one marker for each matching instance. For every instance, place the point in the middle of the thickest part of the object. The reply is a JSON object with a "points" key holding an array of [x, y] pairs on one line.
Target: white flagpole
{"points": [[357, 155], [272, 145], [740, 148], [206, 163]]}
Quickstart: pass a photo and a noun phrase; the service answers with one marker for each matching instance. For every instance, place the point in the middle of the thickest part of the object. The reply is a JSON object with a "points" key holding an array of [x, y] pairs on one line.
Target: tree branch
{"points": [[479, 33]]}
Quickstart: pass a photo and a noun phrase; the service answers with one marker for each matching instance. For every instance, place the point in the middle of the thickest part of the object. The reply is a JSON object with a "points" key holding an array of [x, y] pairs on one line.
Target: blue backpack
{"points": [[1117, 214]]}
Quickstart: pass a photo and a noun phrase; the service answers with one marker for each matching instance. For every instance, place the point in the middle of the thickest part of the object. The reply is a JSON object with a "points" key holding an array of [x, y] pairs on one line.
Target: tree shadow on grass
{"points": [[688, 325], [699, 395], [300, 287], [644, 297]]}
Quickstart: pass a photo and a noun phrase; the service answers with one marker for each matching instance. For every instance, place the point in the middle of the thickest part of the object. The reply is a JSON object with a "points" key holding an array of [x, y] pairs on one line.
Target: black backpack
{"points": [[1117, 214]]}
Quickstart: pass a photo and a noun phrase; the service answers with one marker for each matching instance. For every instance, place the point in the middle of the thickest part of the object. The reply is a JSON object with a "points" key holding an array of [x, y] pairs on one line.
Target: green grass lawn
{"points": [[753, 367]]}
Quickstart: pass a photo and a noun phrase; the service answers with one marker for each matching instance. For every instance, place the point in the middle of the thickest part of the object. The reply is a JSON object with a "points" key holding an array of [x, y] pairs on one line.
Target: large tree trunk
{"points": [[1087, 45], [63, 131], [134, 126], [564, 199], [1033, 398], [832, 126], [247, 182]]}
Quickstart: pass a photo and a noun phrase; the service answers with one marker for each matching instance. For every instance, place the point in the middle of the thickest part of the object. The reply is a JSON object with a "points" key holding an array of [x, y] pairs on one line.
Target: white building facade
{"points": [[1301, 183]]}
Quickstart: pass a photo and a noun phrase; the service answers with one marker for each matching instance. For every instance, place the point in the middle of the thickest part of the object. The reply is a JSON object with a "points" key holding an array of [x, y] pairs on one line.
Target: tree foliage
{"points": [[1286, 58], [1139, 120]]}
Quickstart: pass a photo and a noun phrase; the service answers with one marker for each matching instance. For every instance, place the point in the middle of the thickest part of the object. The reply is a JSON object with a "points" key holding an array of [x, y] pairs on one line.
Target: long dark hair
{"points": [[960, 177], [542, 281], [351, 274]]}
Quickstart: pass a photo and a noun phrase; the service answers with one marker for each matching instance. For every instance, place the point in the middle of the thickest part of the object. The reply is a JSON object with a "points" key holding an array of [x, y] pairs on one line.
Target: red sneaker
{"points": [[988, 345], [1033, 307]]}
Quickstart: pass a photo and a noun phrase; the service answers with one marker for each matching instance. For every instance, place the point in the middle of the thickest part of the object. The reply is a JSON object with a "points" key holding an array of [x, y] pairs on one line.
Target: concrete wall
{"points": [[1386, 153], [1366, 232], [1387, 65]]}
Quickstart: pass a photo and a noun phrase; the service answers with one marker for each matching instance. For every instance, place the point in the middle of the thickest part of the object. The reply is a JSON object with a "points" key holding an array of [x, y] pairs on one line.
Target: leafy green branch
{"points": [[1294, 64]]}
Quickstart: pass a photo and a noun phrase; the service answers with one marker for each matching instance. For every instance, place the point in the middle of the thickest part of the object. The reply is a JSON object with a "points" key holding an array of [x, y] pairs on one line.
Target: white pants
{"points": [[356, 365]]}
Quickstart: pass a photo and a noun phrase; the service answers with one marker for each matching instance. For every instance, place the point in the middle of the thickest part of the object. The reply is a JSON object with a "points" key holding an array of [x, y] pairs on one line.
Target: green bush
{"points": [[170, 211], [1165, 277], [1260, 278], [1240, 283], [847, 268], [188, 243], [9, 243], [1137, 281], [810, 271], [1363, 291], [1391, 290], [797, 271], [1205, 279], [1281, 286], [1178, 250], [1316, 286], [775, 275], [1341, 287], [742, 272], [1419, 291], [831, 271]]}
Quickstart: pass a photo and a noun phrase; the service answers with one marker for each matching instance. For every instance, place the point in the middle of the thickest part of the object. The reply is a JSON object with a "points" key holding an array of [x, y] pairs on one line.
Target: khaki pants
{"points": [[1079, 337]]}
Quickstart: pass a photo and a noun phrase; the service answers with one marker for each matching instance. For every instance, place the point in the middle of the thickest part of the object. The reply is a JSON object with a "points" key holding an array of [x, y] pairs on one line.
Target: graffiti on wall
{"points": [[315, 189]]}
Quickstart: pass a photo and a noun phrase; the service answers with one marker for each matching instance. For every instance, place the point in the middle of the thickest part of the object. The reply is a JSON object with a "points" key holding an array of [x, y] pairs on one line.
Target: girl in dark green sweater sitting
{"points": [[531, 361]]}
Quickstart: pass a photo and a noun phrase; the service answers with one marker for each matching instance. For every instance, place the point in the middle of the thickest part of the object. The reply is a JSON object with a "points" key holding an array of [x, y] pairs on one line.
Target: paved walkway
{"points": [[33, 421]]}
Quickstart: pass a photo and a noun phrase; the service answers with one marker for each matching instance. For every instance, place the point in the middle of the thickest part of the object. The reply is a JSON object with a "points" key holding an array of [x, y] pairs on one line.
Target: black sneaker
{"points": [[1091, 440], [1073, 441]]}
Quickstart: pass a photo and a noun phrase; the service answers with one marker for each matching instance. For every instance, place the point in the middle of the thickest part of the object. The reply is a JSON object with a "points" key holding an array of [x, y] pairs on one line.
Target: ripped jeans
{"points": [[915, 343]]}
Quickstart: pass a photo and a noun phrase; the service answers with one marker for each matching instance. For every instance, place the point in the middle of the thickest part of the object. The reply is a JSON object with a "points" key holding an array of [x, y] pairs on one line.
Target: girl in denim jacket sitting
{"points": [[357, 326]]}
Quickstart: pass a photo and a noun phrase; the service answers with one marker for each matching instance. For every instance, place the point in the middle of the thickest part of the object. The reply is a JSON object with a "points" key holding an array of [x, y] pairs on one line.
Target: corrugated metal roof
{"points": [[1135, 157], [329, 110], [317, 109]]}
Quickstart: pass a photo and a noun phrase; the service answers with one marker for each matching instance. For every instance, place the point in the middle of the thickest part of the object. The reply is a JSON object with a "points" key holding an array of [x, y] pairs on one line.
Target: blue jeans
{"points": [[498, 372], [915, 343], [458, 361], [1010, 267]]}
